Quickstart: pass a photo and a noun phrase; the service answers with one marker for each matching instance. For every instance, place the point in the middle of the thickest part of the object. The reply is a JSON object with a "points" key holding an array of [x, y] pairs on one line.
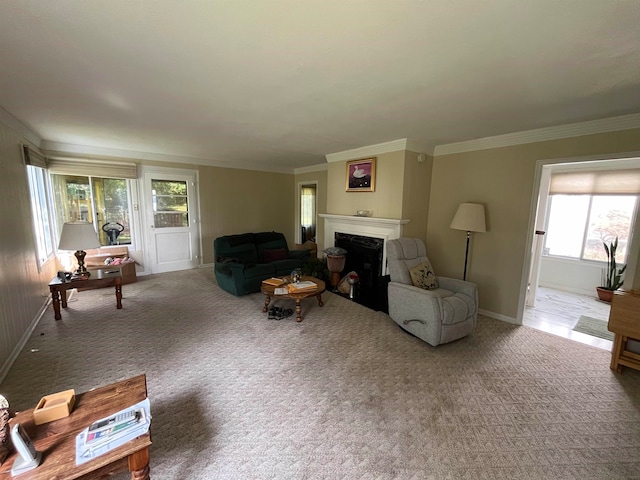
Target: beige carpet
{"points": [[346, 394]]}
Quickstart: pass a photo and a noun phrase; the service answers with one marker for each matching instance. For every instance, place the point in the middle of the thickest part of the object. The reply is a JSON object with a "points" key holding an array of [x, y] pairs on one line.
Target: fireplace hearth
{"points": [[364, 256]]}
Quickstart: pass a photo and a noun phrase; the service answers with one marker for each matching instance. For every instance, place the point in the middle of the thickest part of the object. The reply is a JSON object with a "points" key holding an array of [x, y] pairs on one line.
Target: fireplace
{"points": [[365, 240], [364, 256]]}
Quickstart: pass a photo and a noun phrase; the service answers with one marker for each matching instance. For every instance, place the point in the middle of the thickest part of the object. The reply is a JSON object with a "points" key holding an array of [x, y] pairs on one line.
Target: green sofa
{"points": [[243, 261]]}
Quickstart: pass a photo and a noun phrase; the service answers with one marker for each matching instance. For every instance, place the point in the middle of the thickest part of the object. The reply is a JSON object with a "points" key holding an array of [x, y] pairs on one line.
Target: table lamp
{"points": [[78, 236], [469, 217]]}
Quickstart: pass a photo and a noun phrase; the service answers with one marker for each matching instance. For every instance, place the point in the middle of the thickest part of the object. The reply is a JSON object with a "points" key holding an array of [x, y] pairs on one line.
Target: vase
{"points": [[335, 264], [604, 294]]}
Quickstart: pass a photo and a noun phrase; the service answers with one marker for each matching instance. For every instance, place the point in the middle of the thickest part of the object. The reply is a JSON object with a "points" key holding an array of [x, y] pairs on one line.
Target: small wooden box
{"points": [[54, 406]]}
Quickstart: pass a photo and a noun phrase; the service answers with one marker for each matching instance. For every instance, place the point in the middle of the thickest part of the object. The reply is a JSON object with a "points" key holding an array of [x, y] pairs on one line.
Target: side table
{"points": [[624, 321], [103, 277]]}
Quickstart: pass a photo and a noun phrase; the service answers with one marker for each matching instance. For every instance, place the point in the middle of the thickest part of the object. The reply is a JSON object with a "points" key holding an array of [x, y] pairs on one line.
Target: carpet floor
{"points": [[346, 394]]}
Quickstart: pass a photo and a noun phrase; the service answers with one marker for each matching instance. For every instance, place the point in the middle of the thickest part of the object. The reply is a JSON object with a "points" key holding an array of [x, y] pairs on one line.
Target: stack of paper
{"points": [[276, 282], [301, 287], [87, 449]]}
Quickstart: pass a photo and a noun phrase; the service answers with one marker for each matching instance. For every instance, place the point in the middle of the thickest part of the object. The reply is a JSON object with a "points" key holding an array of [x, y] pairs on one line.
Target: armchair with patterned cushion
{"points": [[434, 309]]}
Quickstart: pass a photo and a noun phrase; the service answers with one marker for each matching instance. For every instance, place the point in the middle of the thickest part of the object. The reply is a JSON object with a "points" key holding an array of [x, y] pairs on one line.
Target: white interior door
{"points": [[171, 213]]}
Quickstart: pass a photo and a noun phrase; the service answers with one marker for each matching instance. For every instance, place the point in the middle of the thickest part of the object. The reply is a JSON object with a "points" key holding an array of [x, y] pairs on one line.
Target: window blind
{"points": [[605, 182], [92, 168], [33, 157]]}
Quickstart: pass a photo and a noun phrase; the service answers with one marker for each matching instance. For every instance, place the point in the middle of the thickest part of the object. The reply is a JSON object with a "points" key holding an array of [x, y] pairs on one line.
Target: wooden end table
{"points": [[100, 277], [623, 321], [57, 440], [269, 291]]}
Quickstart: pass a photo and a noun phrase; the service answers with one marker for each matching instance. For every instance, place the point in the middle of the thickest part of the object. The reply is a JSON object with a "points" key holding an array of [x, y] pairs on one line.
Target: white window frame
{"points": [[581, 257], [42, 220]]}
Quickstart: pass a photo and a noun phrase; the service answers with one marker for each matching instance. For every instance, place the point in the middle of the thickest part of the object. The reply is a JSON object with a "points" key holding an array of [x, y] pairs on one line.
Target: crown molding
{"points": [[86, 150], [414, 146], [310, 169], [371, 150], [20, 128], [57, 148], [604, 125]]}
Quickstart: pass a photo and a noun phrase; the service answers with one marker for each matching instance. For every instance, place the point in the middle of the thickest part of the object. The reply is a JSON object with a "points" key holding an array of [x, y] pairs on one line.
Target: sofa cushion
{"points": [[264, 237], [240, 247], [422, 276], [261, 270], [269, 241], [273, 254], [245, 253], [284, 267]]}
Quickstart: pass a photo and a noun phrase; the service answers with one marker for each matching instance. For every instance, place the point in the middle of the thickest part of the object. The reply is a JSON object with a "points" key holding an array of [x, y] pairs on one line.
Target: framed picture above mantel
{"points": [[361, 175]]}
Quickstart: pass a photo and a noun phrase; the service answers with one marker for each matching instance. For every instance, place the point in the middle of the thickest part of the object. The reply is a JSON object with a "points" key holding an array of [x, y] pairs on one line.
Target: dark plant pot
{"points": [[604, 294]]}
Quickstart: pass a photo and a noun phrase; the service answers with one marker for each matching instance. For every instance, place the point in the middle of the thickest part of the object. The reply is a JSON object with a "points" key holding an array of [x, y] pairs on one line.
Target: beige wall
{"points": [[402, 191], [239, 201], [502, 179], [23, 290], [415, 195], [385, 201]]}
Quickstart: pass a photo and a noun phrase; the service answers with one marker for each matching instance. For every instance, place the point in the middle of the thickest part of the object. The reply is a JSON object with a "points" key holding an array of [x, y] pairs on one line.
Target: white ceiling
{"points": [[281, 83]]}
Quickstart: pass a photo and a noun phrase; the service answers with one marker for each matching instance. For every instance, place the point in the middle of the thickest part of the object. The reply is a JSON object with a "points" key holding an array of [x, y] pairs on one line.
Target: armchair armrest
{"points": [[459, 286], [299, 254], [229, 268]]}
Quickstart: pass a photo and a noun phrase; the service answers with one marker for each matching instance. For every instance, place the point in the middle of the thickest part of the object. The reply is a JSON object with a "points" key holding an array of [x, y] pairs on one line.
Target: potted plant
{"points": [[611, 275]]}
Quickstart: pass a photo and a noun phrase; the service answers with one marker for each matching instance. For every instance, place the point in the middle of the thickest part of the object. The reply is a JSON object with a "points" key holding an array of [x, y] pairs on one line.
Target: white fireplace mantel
{"points": [[384, 228]]}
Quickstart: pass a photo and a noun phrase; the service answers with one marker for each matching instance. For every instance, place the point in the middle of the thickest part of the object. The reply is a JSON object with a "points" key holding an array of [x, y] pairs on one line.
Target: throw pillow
{"points": [[273, 254], [422, 276]]}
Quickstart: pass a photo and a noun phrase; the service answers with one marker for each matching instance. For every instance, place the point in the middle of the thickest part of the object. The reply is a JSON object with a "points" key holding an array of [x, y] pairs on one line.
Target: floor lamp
{"points": [[469, 217]]}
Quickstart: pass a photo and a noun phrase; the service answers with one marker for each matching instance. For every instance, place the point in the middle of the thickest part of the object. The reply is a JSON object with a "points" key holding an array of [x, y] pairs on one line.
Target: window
{"points": [[170, 203], [41, 213], [308, 212], [104, 201], [578, 224]]}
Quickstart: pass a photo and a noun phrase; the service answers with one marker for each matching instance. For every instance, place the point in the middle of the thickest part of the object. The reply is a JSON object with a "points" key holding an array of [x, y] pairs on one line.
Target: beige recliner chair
{"points": [[440, 315]]}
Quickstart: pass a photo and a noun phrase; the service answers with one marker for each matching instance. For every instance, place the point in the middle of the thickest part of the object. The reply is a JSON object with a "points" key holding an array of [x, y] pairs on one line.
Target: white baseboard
{"points": [[23, 341], [565, 288], [498, 316]]}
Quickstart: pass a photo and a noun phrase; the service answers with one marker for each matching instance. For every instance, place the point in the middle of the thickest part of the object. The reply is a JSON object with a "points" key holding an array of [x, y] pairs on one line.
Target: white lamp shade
{"points": [[470, 218], [78, 236]]}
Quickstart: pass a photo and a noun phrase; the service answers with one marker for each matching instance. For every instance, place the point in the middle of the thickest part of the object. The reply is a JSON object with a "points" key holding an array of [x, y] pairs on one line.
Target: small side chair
{"points": [[435, 309]]}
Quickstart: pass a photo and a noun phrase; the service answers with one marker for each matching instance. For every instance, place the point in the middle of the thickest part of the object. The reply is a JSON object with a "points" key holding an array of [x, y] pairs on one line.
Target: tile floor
{"points": [[557, 312]]}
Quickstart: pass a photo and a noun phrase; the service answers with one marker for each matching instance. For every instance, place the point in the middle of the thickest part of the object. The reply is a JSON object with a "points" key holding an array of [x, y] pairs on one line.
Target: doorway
{"points": [[171, 219], [566, 269], [307, 219]]}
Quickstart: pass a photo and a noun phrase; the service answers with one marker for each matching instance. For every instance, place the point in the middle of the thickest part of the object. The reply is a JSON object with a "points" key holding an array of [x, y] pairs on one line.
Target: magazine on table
{"points": [[305, 286]]}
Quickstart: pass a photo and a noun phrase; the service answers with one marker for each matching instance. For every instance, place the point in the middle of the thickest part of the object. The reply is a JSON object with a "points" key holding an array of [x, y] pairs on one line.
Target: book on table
{"points": [[300, 287], [276, 282]]}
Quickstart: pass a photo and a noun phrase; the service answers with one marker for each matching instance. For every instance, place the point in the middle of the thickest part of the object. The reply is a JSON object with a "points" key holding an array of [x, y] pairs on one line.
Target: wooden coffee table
{"points": [[269, 291], [100, 277], [57, 440]]}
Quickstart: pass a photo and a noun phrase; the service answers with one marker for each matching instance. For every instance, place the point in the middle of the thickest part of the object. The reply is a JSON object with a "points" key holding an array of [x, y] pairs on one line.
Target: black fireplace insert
{"points": [[364, 256]]}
